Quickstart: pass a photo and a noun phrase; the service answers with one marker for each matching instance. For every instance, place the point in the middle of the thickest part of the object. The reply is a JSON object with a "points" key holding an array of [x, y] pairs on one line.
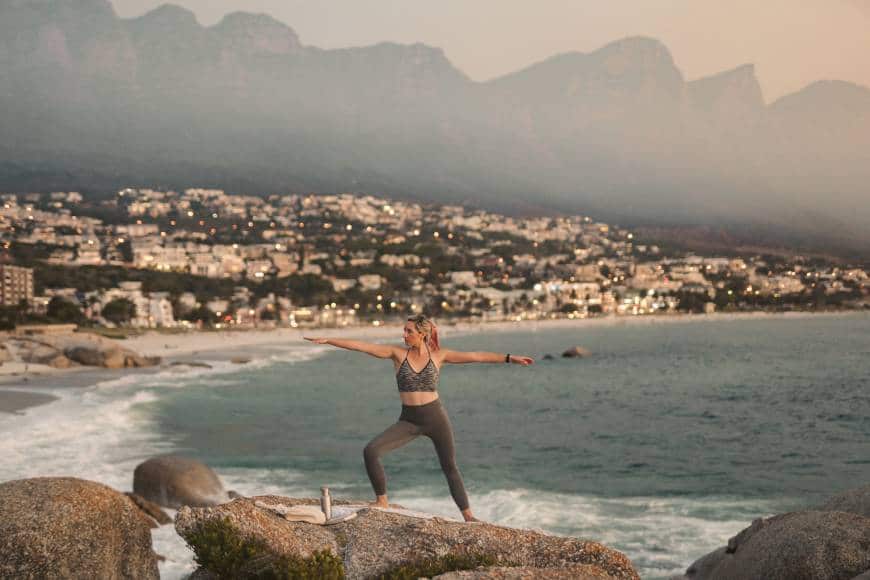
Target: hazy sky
{"points": [[791, 42]]}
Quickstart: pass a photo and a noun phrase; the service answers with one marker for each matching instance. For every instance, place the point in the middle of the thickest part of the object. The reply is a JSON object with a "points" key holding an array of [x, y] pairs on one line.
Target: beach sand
{"points": [[17, 401], [18, 373]]}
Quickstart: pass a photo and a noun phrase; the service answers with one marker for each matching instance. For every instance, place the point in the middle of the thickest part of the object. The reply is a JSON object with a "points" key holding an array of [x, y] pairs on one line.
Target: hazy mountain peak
{"points": [[257, 33], [635, 68], [395, 48], [826, 95], [170, 15], [638, 48], [417, 59], [738, 87], [432, 54], [743, 73], [835, 87]]}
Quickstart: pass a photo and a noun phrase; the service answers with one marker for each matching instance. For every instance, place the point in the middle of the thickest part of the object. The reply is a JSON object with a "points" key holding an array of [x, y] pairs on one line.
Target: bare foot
{"points": [[379, 503], [468, 516]]}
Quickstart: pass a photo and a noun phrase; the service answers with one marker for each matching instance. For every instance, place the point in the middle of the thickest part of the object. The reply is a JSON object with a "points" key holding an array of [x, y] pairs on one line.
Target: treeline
{"points": [[90, 278]]}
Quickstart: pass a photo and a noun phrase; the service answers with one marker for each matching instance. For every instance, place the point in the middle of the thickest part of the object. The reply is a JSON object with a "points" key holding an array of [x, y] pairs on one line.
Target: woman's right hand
{"points": [[317, 340]]}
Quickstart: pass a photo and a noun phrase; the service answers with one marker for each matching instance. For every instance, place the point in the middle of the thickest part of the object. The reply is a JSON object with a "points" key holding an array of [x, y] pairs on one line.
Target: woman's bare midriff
{"points": [[420, 398]]}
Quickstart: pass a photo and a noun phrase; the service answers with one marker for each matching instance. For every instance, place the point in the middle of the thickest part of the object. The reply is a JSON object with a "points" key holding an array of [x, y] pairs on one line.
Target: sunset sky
{"points": [[791, 43]]}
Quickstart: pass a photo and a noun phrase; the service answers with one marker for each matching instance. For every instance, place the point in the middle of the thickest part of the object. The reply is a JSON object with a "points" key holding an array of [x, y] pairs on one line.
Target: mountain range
{"points": [[93, 102]]}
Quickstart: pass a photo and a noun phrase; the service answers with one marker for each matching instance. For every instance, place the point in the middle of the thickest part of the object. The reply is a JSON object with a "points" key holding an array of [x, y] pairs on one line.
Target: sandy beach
{"points": [[17, 401]]}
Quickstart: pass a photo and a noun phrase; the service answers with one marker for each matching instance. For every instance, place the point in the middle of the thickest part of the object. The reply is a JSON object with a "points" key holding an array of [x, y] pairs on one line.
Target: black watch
{"points": [[507, 358]]}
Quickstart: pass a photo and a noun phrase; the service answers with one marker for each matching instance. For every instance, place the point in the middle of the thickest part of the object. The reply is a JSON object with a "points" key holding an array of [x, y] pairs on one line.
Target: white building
{"points": [[342, 284], [464, 277], [370, 281]]}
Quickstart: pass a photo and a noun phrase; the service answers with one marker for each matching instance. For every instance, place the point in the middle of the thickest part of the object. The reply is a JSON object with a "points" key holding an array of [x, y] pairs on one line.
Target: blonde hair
{"points": [[427, 327]]}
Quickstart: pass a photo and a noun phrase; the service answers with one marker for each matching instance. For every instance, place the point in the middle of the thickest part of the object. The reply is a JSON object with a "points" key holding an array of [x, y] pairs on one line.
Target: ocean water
{"points": [[663, 444]]}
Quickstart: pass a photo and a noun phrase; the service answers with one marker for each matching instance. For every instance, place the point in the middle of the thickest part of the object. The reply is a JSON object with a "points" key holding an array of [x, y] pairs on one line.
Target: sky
{"points": [[792, 42]]}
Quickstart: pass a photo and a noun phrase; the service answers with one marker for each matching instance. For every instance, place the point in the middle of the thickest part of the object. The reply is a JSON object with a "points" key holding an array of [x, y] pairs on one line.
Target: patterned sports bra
{"points": [[410, 381]]}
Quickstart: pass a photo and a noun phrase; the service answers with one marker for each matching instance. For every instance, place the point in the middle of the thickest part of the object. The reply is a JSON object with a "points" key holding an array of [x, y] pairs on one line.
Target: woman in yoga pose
{"points": [[422, 412]]}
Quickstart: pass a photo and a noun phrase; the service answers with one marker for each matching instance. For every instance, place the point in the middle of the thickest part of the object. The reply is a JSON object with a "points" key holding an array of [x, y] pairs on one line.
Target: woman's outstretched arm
{"points": [[377, 350], [456, 356]]}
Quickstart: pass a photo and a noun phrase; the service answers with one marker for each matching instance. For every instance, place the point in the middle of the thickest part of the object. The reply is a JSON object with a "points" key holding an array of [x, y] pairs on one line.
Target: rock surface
{"points": [[576, 352], [63, 350], [377, 541], [704, 566], [151, 509], [173, 481], [190, 364], [804, 545], [63, 527], [110, 358], [36, 353], [853, 501], [578, 572]]}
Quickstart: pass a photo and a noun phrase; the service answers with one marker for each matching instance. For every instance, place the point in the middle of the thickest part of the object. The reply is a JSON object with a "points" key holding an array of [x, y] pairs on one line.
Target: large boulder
{"points": [[36, 353], [63, 527], [92, 356], [239, 539], [114, 358], [804, 545], [704, 566], [110, 357], [853, 501], [173, 481], [136, 360], [60, 362]]}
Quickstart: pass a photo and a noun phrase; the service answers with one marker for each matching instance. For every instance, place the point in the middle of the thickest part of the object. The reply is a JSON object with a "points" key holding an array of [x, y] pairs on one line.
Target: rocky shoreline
{"points": [[67, 527], [63, 350], [43, 360]]}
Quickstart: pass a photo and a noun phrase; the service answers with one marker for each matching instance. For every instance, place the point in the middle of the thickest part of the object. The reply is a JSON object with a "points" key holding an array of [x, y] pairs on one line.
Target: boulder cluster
{"points": [[67, 527], [71, 349], [64, 527]]}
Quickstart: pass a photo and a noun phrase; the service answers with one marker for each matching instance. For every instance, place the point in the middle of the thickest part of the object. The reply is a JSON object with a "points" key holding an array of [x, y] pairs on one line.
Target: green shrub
{"points": [[220, 549]]}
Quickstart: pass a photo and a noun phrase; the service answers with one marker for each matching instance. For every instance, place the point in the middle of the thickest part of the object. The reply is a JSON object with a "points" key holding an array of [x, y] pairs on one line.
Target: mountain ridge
{"points": [[618, 132]]}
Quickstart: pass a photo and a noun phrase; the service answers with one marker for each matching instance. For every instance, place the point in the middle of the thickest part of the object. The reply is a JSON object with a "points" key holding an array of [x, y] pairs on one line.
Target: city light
{"points": [[478, 281]]}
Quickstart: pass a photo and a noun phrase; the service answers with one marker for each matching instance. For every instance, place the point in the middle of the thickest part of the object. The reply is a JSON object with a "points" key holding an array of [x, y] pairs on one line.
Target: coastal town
{"points": [[203, 258]]}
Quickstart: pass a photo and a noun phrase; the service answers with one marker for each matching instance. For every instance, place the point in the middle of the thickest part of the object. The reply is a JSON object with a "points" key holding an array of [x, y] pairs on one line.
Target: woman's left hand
{"points": [[522, 360]]}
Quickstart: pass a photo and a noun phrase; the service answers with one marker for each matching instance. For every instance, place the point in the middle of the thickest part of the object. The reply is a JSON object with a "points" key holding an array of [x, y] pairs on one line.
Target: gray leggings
{"points": [[430, 420]]}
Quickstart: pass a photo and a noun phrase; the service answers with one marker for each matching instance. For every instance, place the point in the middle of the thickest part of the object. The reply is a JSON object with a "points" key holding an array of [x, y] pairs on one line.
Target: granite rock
{"points": [[64, 527], [379, 541], [173, 481]]}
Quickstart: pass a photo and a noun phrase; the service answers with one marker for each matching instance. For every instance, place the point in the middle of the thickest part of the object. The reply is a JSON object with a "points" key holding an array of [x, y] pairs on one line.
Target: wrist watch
{"points": [[507, 358]]}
